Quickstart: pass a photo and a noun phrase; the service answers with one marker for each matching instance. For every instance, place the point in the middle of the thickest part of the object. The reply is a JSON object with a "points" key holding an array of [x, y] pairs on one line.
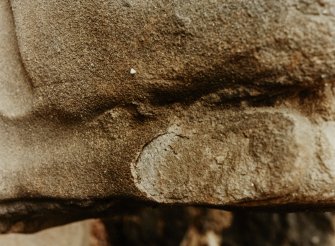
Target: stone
{"points": [[232, 106], [84, 233]]}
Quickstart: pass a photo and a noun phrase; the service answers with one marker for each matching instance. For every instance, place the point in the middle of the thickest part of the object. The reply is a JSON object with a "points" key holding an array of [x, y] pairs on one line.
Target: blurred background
{"points": [[188, 227]]}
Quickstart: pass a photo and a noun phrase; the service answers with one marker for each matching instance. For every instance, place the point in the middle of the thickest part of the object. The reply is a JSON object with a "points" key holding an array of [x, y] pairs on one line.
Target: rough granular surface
{"points": [[106, 104]]}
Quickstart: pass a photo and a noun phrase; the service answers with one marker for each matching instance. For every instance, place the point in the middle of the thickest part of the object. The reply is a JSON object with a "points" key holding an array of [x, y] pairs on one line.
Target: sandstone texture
{"points": [[109, 104]]}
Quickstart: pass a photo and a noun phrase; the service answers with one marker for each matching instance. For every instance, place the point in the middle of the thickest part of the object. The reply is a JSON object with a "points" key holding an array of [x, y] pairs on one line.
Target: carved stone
{"points": [[103, 104]]}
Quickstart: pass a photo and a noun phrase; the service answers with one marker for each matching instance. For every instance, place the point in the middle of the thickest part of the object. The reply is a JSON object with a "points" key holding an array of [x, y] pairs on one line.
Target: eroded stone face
{"points": [[221, 103]]}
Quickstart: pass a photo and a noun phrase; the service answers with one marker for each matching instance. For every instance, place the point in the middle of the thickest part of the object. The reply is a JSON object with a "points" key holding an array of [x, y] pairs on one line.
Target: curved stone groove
{"points": [[15, 89]]}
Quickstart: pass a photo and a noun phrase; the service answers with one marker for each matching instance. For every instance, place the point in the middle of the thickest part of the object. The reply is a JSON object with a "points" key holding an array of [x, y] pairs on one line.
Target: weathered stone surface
{"points": [[216, 103]]}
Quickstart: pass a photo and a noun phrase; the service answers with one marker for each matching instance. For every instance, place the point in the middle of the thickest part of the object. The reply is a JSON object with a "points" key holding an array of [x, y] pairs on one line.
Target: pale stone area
{"points": [[75, 234], [15, 92]]}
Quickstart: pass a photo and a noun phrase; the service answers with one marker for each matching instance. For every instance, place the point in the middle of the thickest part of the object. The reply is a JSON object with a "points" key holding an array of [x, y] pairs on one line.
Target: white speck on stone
{"points": [[315, 240], [132, 71]]}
